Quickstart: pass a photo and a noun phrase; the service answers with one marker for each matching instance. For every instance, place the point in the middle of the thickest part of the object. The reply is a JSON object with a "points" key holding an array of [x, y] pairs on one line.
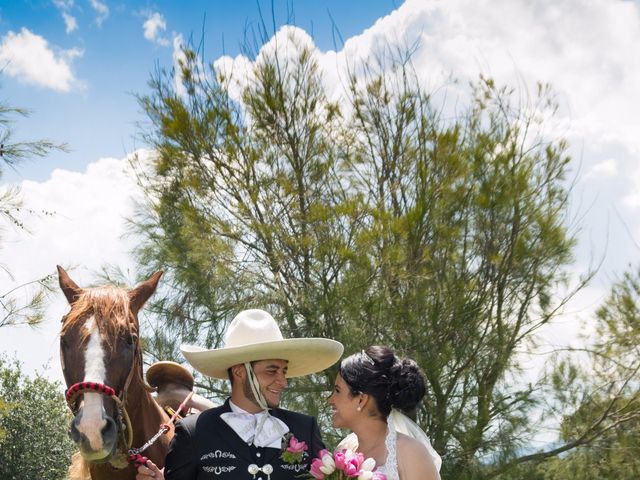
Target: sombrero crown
{"points": [[254, 335]]}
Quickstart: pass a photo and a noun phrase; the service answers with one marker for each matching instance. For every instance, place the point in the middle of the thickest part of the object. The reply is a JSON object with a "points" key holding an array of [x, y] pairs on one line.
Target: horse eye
{"points": [[131, 339]]}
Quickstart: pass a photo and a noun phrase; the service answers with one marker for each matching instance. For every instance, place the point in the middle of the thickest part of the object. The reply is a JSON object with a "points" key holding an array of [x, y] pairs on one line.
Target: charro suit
{"points": [[205, 447]]}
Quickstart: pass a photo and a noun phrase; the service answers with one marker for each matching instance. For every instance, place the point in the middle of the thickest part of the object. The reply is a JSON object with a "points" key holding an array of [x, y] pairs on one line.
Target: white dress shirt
{"points": [[245, 425]]}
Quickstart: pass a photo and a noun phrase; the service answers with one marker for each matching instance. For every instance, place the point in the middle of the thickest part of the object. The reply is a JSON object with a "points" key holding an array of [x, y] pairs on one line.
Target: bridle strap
{"points": [[76, 389], [137, 361]]}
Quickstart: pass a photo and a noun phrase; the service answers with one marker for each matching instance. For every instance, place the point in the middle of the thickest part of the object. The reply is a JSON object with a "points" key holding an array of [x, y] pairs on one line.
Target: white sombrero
{"points": [[254, 335]]}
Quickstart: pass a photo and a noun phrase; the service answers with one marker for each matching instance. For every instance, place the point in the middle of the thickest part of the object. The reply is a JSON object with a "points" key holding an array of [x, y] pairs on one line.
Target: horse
{"points": [[102, 365]]}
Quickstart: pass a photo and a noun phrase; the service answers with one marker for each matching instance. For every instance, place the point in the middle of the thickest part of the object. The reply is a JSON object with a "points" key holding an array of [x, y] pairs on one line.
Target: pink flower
{"points": [[353, 464], [295, 446], [343, 465], [340, 459], [315, 469]]}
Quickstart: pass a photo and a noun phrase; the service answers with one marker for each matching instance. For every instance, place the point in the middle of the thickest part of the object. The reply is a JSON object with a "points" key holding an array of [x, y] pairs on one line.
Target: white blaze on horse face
{"points": [[93, 412]]}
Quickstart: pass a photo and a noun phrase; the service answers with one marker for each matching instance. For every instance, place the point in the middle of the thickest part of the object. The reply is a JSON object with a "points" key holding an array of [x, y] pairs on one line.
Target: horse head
{"points": [[101, 356]]}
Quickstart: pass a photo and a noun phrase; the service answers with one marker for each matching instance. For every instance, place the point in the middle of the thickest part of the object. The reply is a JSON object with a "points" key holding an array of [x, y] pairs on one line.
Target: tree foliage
{"points": [[605, 394], [23, 304], [363, 214], [34, 423]]}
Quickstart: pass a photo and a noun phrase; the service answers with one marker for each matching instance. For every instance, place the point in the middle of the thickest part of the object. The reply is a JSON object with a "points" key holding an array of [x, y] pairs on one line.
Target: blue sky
{"points": [[113, 60], [79, 85]]}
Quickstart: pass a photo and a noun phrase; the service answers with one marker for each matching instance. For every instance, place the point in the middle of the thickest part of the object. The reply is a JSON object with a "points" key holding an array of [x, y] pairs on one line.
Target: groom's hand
{"points": [[148, 471]]}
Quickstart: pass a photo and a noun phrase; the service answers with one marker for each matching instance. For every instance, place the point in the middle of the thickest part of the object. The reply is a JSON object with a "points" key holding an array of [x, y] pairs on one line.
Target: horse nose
{"points": [[98, 439]]}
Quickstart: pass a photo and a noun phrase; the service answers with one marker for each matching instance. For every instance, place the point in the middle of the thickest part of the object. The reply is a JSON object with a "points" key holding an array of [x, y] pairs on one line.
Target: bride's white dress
{"points": [[396, 422]]}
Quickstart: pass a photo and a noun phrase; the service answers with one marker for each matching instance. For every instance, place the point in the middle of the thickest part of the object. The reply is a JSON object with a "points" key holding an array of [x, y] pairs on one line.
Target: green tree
{"points": [[614, 455], [605, 396], [13, 307], [34, 420], [362, 219]]}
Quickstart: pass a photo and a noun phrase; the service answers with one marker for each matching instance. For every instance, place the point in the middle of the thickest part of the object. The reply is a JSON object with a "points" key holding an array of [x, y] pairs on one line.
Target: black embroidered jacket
{"points": [[206, 447]]}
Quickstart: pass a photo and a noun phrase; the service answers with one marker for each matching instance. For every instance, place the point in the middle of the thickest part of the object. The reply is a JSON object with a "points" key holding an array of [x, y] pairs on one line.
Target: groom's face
{"points": [[271, 375]]}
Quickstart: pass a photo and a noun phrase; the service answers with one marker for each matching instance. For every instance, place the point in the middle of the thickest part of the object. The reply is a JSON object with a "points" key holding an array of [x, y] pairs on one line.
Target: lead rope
{"points": [[134, 454]]}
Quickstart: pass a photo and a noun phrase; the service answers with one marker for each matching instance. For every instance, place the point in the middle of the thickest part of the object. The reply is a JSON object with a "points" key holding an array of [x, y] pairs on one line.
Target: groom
{"points": [[246, 437]]}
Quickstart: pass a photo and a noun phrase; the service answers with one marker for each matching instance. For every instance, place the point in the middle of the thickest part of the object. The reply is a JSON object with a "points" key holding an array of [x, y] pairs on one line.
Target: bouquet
{"points": [[344, 464]]}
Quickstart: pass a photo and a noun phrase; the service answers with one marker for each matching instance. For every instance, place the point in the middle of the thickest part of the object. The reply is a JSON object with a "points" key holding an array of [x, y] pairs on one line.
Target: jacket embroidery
{"points": [[218, 470], [296, 467], [217, 454]]}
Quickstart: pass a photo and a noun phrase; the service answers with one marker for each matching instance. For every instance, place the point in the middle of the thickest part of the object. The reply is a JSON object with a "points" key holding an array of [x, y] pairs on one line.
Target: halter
{"points": [[134, 455], [124, 422], [76, 389]]}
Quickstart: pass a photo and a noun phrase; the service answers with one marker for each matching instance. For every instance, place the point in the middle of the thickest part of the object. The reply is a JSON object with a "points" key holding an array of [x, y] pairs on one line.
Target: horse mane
{"points": [[104, 303]]}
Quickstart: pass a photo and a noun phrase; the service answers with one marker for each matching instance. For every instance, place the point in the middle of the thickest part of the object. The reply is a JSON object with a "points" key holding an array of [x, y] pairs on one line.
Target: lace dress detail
{"points": [[390, 467]]}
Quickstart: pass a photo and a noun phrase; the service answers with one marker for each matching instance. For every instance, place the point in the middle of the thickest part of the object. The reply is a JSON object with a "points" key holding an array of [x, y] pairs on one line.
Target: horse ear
{"points": [[68, 286], [139, 295]]}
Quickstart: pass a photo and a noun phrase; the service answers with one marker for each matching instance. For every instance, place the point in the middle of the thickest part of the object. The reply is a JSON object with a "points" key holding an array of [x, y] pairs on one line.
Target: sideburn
{"points": [[246, 389]]}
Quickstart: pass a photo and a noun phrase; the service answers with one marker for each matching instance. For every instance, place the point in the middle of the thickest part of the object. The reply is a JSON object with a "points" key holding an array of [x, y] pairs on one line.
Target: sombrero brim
{"points": [[164, 372], [305, 356]]}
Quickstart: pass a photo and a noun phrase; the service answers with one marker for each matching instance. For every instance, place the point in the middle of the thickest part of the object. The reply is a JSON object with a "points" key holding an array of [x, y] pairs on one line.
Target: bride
{"points": [[373, 392]]}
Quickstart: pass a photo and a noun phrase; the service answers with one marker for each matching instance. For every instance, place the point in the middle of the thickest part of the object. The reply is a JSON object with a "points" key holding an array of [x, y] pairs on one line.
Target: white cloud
{"points": [[603, 170], [64, 4], [29, 58], [101, 9], [632, 199], [70, 22], [153, 26], [86, 232]]}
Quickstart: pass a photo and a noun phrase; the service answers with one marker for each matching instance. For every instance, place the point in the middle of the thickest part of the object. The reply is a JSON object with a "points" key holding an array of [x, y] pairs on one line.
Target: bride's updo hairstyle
{"points": [[393, 382]]}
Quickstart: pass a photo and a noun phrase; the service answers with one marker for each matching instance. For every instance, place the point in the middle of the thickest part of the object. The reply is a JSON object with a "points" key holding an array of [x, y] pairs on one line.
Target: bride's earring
{"points": [[359, 409]]}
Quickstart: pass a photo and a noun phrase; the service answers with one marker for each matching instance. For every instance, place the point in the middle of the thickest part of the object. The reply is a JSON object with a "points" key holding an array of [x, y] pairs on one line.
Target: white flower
{"points": [[368, 465], [349, 454], [366, 470], [328, 465]]}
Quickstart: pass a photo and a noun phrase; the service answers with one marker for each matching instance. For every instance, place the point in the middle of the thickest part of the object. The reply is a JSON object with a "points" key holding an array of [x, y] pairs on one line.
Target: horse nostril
{"points": [[74, 433], [109, 430]]}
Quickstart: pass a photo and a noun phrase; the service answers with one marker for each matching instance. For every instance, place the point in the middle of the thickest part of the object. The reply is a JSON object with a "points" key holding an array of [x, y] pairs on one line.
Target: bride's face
{"points": [[343, 404]]}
